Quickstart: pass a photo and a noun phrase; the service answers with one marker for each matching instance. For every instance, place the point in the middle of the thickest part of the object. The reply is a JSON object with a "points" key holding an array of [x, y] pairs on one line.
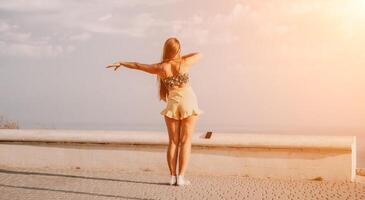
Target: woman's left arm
{"points": [[149, 68]]}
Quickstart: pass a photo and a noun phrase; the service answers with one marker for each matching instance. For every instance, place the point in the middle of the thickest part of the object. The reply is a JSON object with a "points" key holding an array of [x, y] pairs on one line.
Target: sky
{"points": [[267, 67]]}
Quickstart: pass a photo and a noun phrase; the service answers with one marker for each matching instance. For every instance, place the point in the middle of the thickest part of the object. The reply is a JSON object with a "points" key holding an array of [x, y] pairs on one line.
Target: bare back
{"points": [[173, 68]]}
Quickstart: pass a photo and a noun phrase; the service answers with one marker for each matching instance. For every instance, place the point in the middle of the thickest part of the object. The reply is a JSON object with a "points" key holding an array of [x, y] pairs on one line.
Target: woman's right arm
{"points": [[149, 68], [191, 58]]}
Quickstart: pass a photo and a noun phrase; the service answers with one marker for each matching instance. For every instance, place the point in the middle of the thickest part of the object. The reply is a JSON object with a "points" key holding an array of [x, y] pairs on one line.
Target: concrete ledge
{"points": [[161, 138], [277, 156]]}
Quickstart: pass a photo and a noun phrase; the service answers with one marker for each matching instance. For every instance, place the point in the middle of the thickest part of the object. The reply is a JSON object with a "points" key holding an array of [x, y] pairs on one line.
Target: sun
{"points": [[351, 14], [356, 9]]}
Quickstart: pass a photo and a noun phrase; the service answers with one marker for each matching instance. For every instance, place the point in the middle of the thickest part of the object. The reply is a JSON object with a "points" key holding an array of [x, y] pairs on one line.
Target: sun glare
{"points": [[356, 9]]}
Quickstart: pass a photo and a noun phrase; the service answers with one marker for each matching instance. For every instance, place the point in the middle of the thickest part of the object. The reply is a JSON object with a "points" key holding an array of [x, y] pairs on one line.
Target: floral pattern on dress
{"points": [[176, 80]]}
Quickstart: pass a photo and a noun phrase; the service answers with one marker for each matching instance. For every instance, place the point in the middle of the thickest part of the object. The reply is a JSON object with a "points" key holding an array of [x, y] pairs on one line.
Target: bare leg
{"points": [[173, 128], [187, 129]]}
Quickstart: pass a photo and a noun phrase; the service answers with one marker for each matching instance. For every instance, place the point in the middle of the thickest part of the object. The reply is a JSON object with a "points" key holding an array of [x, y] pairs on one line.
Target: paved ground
{"points": [[42, 184]]}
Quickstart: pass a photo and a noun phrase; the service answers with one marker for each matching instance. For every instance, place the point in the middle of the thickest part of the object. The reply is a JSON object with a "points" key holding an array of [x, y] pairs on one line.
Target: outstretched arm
{"points": [[192, 57], [149, 68]]}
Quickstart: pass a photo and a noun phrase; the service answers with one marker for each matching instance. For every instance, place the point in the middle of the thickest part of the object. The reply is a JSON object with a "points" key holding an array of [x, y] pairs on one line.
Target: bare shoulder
{"points": [[165, 65]]}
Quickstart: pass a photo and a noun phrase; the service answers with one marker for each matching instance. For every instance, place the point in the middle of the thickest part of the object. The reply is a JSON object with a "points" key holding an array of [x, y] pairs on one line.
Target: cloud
{"points": [[140, 25], [15, 42], [30, 6], [15, 36], [80, 16], [80, 37], [57, 5], [33, 51], [105, 17], [216, 29], [48, 28], [97, 17], [4, 26]]}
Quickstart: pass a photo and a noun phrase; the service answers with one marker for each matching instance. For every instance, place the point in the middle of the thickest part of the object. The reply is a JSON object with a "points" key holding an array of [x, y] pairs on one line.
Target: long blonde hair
{"points": [[171, 51]]}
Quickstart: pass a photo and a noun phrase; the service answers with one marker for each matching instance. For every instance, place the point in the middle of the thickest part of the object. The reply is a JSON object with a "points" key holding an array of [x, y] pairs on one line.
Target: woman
{"points": [[182, 109]]}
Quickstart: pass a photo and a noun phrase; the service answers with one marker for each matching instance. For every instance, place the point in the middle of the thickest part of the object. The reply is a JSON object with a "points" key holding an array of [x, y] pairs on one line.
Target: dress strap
{"points": [[179, 67]]}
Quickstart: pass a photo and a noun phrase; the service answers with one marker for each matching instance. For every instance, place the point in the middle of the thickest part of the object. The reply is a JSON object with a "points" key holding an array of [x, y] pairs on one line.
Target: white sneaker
{"points": [[180, 181], [172, 180]]}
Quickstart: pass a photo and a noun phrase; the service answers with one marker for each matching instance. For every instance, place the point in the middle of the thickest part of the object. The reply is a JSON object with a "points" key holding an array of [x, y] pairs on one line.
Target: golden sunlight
{"points": [[355, 9]]}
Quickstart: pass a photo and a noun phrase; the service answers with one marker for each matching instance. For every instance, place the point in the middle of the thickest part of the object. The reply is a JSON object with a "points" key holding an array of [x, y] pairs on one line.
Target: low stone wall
{"points": [[257, 155]]}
